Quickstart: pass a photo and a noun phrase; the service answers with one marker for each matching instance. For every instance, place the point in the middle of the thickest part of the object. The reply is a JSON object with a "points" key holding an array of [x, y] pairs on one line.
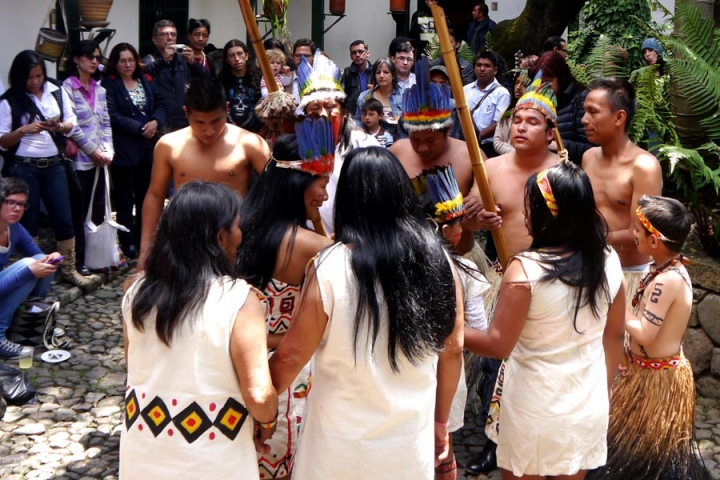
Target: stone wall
{"points": [[702, 339]]}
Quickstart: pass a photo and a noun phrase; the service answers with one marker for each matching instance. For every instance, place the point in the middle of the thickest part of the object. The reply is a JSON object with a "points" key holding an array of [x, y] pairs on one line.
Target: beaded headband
{"points": [[649, 226], [547, 193]]}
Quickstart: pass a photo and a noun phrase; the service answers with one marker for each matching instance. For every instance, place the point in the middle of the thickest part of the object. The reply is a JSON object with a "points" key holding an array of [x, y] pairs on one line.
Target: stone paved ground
{"points": [[73, 432]]}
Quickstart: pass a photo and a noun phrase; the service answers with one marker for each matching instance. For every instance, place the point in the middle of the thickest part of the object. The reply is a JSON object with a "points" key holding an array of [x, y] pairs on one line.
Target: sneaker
{"points": [[9, 349]]}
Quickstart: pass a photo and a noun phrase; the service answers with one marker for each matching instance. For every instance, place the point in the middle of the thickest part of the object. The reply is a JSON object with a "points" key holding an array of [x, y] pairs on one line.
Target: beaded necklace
{"points": [[654, 272]]}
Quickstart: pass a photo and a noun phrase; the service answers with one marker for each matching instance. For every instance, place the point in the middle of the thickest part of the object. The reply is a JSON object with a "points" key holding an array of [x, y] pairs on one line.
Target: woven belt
{"points": [[659, 363], [44, 162]]}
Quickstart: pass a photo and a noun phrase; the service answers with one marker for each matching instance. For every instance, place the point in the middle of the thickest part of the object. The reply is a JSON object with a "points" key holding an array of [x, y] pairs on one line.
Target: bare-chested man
{"points": [[531, 131], [427, 117], [620, 172], [209, 149]]}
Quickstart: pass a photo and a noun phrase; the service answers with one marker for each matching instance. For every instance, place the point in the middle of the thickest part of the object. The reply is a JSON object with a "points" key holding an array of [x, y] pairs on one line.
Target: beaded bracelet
{"points": [[269, 425]]}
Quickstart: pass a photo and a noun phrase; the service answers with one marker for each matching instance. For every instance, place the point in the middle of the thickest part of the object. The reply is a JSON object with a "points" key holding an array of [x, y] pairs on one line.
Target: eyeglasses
{"points": [[405, 59], [12, 205], [167, 34], [127, 61], [93, 57], [358, 52], [306, 55]]}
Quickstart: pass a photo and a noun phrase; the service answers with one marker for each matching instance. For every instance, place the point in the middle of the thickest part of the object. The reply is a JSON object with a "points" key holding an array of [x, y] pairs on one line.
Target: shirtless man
{"points": [[209, 149], [425, 149], [531, 131], [620, 172]]}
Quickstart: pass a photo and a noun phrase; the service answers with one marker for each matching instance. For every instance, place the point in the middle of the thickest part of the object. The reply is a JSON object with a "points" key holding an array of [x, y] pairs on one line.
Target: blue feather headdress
{"points": [[316, 146], [426, 105], [444, 194], [318, 81]]}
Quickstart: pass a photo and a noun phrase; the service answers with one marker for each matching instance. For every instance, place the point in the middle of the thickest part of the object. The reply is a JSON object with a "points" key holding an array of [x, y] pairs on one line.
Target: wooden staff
{"points": [[272, 86], [256, 41], [448, 53]]}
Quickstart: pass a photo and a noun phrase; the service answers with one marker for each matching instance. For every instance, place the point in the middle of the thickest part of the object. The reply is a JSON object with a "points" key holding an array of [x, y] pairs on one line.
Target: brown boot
{"points": [[67, 267]]}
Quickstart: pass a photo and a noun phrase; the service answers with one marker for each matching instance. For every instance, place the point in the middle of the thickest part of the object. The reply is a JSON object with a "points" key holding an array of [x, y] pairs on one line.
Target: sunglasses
{"points": [[93, 57]]}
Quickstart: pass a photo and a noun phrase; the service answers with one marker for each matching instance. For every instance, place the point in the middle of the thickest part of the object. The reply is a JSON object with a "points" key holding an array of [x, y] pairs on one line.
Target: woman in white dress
{"points": [[560, 323], [381, 310], [195, 349]]}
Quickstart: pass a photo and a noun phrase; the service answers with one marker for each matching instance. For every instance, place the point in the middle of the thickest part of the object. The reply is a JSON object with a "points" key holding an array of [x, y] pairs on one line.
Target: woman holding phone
{"points": [[35, 117]]}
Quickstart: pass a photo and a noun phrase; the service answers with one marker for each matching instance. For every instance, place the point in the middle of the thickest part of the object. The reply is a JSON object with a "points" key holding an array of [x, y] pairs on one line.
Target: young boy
{"points": [[280, 70], [372, 112], [440, 196], [652, 410]]}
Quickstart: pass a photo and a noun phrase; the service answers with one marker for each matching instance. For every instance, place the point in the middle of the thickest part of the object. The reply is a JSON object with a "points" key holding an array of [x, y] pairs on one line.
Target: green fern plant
{"points": [[692, 65], [604, 60], [432, 50]]}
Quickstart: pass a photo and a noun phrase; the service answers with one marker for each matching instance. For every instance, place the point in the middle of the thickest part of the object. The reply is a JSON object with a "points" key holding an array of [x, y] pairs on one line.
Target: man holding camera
{"points": [[171, 66]]}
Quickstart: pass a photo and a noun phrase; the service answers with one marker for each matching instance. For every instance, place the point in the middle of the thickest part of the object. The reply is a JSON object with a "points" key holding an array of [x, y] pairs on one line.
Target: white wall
{"points": [[366, 19]]}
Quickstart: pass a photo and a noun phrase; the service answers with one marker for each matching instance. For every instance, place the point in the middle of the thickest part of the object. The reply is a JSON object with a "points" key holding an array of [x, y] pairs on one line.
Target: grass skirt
{"points": [[651, 431]]}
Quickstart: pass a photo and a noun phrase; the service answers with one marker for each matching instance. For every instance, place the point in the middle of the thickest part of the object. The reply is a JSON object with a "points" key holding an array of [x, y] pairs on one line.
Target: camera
{"points": [[179, 48]]}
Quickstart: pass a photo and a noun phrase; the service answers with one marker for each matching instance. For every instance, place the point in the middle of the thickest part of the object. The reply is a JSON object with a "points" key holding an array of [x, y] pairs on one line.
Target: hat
{"points": [[318, 81], [441, 187], [539, 96], [426, 105], [441, 69], [653, 44], [316, 146]]}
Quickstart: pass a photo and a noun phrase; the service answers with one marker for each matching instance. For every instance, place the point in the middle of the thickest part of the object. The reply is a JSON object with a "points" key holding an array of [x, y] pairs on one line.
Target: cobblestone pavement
{"points": [[73, 432]]}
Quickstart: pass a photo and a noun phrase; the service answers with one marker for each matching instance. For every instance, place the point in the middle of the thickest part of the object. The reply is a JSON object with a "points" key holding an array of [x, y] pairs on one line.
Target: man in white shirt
{"points": [[487, 100]]}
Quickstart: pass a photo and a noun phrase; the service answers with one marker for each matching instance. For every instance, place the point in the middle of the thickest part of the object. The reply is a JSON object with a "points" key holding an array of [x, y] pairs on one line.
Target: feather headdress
{"points": [[539, 96], [318, 81], [439, 186], [426, 105], [316, 146]]}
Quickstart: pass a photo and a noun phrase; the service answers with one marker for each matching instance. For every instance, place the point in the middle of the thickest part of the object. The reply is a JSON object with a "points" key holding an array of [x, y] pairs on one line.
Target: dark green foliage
{"points": [[624, 22]]}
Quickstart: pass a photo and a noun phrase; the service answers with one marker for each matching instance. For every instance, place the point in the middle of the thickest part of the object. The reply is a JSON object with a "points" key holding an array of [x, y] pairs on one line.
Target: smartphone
{"points": [[55, 261]]}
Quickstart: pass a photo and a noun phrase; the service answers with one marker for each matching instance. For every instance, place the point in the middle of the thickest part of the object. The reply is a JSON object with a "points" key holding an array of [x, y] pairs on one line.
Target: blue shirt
{"points": [[18, 238]]}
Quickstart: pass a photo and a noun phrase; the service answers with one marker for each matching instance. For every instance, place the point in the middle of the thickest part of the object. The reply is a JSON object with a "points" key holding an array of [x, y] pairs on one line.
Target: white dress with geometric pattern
{"points": [[184, 412]]}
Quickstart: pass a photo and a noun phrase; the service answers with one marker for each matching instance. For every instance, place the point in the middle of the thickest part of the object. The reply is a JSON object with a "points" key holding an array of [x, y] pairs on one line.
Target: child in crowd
{"points": [[441, 198], [653, 402], [29, 276], [372, 112], [283, 77]]}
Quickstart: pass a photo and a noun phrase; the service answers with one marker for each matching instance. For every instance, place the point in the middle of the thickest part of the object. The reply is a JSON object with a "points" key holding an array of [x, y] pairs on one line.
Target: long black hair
{"points": [[274, 205], [185, 257], [577, 236], [395, 255], [18, 78], [252, 71]]}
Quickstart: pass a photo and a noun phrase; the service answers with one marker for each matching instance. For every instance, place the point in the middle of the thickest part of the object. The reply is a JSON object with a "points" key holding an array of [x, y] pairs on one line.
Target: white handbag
{"points": [[101, 248]]}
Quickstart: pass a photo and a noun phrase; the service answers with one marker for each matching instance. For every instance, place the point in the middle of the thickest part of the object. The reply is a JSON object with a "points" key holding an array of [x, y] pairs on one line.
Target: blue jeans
{"points": [[51, 185], [11, 300]]}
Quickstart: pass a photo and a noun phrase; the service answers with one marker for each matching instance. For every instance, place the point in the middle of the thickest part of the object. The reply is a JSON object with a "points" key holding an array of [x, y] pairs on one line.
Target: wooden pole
{"points": [[448, 53], [256, 40]]}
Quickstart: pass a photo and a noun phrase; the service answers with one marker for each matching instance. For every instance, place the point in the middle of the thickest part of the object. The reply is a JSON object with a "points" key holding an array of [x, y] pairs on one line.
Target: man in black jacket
{"points": [[467, 70], [358, 75], [171, 68], [480, 26]]}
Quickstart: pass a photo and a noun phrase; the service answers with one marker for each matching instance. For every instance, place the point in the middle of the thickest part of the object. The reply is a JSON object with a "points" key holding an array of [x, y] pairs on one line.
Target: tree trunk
{"points": [[539, 20]]}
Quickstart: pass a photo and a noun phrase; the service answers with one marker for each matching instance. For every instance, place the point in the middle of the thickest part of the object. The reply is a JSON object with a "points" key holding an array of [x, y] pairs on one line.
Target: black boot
{"points": [[483, 462]]}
